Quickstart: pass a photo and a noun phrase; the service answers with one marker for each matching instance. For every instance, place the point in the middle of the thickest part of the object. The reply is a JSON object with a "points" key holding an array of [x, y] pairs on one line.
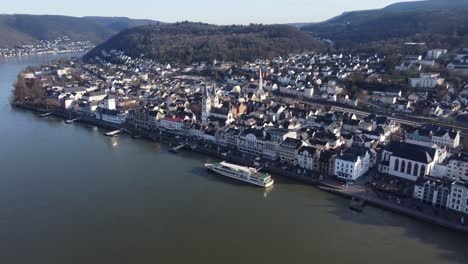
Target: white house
{"points": [[350, 166]]}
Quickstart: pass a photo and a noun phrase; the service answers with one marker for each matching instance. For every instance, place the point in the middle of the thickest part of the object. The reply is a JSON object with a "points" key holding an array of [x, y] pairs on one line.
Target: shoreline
{"points": [[330, 188], [43, 54]]}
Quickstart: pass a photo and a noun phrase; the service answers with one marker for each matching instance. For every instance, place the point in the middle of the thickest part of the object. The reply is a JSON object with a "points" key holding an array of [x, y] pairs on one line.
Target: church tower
{"points": [[214, 97], [260, 94], [206, 106]]}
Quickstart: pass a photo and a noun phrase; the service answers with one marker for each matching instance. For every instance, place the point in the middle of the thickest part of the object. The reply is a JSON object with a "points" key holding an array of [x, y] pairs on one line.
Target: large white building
{"points": [[351, 166], [428, 135], [426, 80], [432, 192], [408, 161]]}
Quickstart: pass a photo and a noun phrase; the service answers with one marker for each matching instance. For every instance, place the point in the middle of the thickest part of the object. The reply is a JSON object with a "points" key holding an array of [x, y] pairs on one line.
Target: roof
{"points": [[291, 143], [308, 149], [348, 157], [412, 152]]}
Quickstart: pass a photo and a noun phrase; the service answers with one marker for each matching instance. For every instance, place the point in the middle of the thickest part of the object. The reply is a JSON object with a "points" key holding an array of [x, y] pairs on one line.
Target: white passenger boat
{"points": [[242, 173]]}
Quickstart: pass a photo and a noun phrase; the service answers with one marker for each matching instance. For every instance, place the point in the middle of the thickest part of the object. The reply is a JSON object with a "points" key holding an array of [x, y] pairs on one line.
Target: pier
{"points": [[179, 147], [113, 133], [70, 121], [46, 114]]}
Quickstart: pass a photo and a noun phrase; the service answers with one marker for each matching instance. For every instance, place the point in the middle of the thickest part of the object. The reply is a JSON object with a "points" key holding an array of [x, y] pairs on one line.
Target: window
{"points": [[422, 173], [397, 164], [403, 166], [415, 170], [408, 169]]}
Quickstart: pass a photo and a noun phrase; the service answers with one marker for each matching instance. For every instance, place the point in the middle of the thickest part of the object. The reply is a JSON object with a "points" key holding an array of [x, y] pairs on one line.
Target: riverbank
{"points": [[359, 192]]}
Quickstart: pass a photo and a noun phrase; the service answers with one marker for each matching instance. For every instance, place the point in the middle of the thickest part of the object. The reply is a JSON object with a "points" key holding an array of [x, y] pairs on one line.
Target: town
{"points": [[388, 134], [60, 45]]}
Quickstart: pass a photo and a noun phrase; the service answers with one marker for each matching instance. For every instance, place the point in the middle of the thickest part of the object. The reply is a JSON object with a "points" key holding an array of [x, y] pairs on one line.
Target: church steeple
{"points": [[260, 80], [206, 105], [260, 93]]}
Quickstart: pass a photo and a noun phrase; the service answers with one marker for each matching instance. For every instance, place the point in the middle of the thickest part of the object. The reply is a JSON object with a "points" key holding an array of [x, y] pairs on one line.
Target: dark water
{"points": [[70, 195]]}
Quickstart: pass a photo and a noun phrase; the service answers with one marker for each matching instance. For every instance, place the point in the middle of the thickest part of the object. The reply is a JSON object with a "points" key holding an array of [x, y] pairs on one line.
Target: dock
{"points": [[113, 133], [179, 147], [46, 114], [70, 121]]}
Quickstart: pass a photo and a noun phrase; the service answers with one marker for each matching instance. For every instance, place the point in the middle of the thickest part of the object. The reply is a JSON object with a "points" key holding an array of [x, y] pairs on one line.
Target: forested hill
{"points": [[436, 22], [25, 29], [190, 42]]}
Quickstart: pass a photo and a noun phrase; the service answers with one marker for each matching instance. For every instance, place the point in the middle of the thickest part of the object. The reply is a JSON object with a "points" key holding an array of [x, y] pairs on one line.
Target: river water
{"points": [[68, 194]]}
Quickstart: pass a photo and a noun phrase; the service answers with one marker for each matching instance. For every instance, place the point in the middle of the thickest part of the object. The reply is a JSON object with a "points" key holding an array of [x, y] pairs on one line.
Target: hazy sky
{"points": [[210, 11]]}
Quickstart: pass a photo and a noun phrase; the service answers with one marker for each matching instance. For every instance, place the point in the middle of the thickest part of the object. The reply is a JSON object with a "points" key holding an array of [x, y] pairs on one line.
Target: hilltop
{"points": [[436, 22], [26, 29], [190, 42]]}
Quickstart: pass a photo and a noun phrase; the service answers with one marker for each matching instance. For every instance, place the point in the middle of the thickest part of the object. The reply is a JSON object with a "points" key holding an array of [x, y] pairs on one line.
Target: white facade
{"points": [[446, 141], [458, 198], [305, 158], [171, 123], [117, 118], [432, 193], [457, 169], [426, 80], [351, 169], [409, 169], [110, 103]]}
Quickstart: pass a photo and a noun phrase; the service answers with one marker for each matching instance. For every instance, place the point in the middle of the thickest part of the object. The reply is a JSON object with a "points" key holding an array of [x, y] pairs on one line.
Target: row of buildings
{"points": [[261, 110]]}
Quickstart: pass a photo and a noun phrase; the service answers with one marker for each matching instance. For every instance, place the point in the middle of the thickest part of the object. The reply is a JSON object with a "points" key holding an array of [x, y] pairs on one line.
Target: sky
{"points": [[208, 11]]}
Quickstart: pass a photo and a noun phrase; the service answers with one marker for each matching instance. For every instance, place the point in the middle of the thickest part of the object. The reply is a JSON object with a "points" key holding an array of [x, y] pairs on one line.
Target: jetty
{"points": [[113, 133], [179, 147], [70, 121], [46, 114]]}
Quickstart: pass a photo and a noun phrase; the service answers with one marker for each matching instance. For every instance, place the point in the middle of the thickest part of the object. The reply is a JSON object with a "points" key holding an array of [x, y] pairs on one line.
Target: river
{"points": [[68, 194]]}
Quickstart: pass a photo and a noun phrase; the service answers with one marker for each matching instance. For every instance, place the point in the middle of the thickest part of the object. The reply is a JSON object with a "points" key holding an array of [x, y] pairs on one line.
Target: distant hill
{"points": [[426, 5], [189, 42], [120, 23], [434, 21], [24, 29]]}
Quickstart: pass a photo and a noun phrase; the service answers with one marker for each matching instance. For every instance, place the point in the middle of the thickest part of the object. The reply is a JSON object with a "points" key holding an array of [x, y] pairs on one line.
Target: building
{"points": [[112, 116], [458, 199], [426, 80], [429, 135], [210, 100], [288, 150], [435, 53], [457, 168], [324, 162], [171, 123], [258, 142], [408, 161], [432, 192], [352, 165], [458, 69], [110, 103], [305, 157]]}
